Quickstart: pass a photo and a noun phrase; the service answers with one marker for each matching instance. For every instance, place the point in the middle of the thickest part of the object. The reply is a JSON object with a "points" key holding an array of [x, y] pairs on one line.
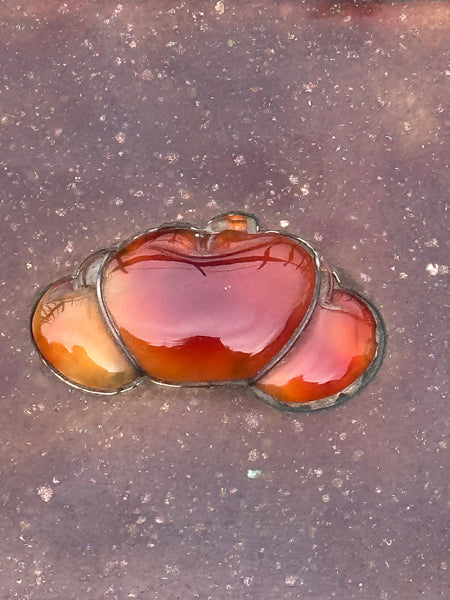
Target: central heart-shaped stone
{"points": [[198, 307]]}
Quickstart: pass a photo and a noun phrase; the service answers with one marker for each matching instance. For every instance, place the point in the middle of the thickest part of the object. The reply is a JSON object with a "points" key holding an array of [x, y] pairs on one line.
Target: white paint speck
{"points": [[432, 269], [45, 492], [254, 473], [305, 189]]}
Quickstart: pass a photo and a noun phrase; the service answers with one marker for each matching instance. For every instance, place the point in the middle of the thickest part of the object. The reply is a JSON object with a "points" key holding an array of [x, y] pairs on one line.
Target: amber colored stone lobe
{"points": [[336, 347], [72, 337], [196, 307]]}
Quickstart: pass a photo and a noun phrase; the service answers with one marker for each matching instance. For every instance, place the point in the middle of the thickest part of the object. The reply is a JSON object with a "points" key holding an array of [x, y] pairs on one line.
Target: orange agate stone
{"points": [[224, 304], [72, 336], [335, 349], [203, 307]]}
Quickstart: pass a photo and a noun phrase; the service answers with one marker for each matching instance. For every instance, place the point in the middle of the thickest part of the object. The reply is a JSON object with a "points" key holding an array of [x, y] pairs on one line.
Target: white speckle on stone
{"points": [[254, 473], [305, 189], [69, 247], [290, 580], [251, 421], [45, 492], [432, 269], [147, 75], [253, 455], [407, 127]]}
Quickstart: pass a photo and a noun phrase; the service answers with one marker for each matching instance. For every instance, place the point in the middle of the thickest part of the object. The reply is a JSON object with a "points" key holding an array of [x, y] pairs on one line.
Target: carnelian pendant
{"points": [[224, 304]]}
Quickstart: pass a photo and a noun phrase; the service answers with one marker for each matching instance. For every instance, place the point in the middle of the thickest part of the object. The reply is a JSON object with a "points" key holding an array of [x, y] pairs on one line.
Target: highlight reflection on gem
{"points": [[335, 348], [210, 297], [72, 337], [223, 304]]}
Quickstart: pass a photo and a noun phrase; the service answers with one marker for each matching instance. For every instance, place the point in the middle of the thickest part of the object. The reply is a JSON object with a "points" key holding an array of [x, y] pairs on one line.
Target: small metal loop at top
{"points": [[235, 221]]}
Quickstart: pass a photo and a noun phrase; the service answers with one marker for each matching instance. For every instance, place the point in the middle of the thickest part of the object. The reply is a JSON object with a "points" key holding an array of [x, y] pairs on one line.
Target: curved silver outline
{"points": [[353, 388], [59, 374], [307, 316], [112, 326], [95, 391], [321, 287]]}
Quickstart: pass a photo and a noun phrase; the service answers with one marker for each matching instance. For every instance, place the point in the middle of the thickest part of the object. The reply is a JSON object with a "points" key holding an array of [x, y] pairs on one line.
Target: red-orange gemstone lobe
{"points": [[336, 347], [198, 307], [71, 335]]}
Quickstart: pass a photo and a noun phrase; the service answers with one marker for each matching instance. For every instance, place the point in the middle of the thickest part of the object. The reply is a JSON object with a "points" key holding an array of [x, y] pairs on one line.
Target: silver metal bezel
{"points": [[112, 326], [57, 372], [321, 288], [351, 390]]}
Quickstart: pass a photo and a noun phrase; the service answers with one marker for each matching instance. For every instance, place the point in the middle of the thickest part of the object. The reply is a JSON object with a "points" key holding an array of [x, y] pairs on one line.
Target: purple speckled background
{"points": [[326, 118]]}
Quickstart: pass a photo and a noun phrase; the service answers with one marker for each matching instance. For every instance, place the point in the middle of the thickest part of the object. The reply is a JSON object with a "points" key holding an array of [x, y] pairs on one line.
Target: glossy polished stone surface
{"points": [[327, 119], [336, 347], [72, 337], [199, 307]]}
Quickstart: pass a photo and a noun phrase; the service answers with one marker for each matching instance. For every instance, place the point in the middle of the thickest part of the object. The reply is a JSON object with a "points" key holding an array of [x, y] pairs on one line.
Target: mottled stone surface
{"points": [[327, 119]]}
